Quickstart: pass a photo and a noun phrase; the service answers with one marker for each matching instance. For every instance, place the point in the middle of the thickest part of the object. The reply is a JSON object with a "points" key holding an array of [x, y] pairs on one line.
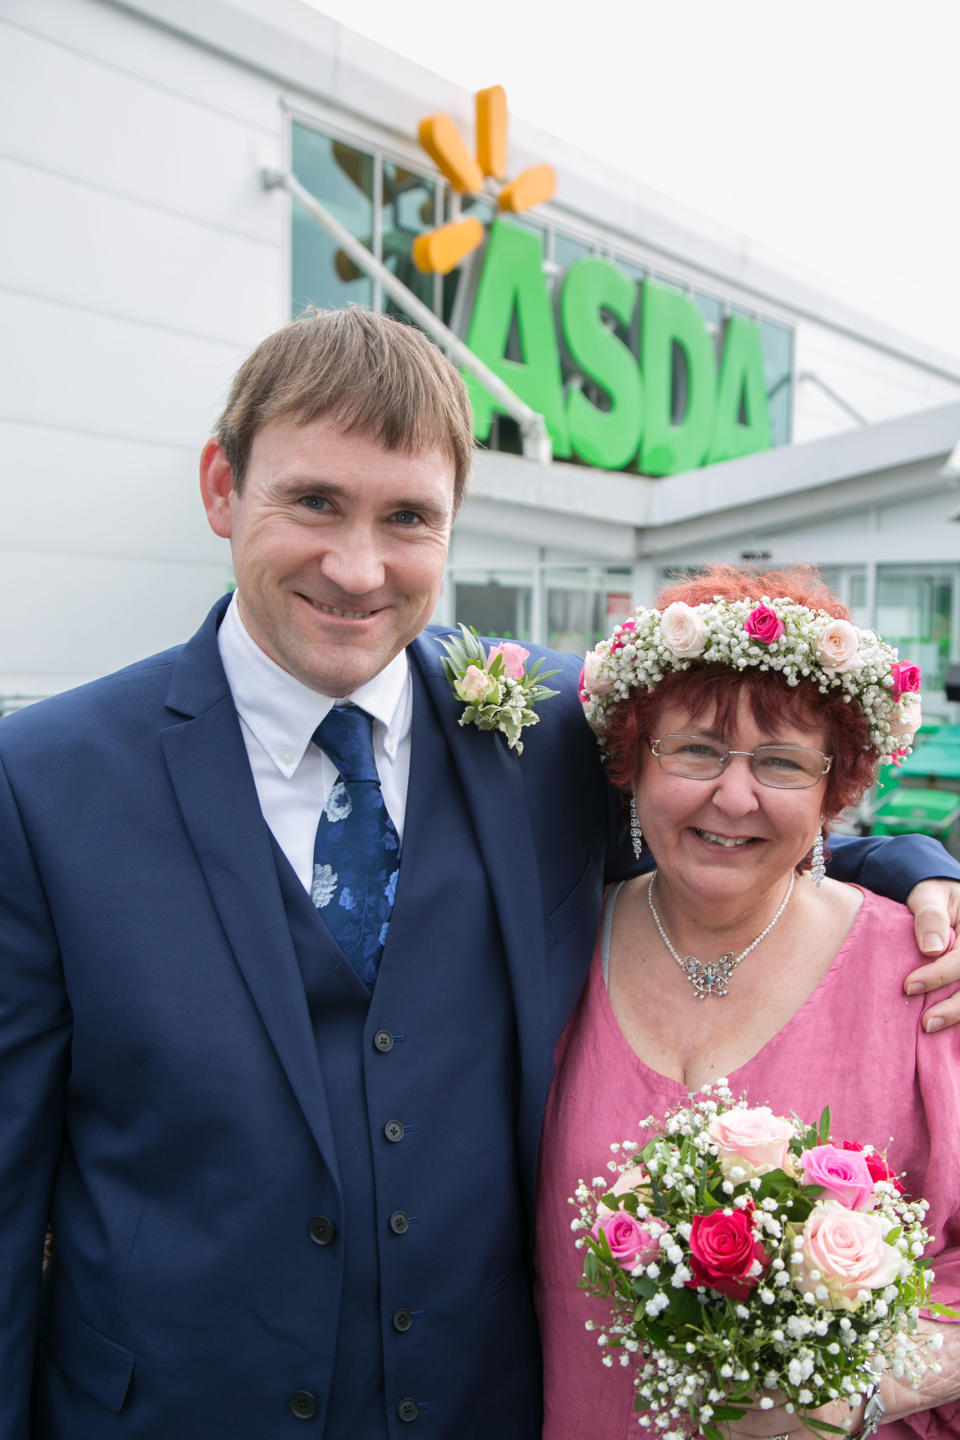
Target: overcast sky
{"points": [[826, 130]]}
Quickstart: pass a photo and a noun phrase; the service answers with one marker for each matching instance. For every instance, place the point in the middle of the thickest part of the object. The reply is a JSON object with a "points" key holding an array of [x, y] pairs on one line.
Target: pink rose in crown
{"points": [[764, 624], [623, 636], [512, 656], [725, 1255], [591, 679], [878, 1167], [906, 678], [631, 1243], [844, 1175], [907, 718], [838, 647], [752, 1140], [844, 1251], [683, 630]]}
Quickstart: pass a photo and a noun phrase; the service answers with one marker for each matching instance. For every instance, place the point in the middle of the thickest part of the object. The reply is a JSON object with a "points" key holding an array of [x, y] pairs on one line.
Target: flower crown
{"points": [[780, 635]]}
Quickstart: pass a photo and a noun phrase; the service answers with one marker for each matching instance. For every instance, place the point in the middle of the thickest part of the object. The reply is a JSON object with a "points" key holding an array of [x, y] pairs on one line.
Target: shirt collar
{"points": [[283, 713]]}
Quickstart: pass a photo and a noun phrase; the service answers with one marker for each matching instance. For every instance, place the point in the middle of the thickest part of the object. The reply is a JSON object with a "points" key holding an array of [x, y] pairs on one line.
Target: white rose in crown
{"points": [[683, 630], [593, 682], [838, 647]]}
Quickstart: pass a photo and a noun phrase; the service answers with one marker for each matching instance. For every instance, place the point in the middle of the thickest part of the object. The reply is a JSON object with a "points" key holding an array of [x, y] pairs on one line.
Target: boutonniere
{"points": [[498, 691]]}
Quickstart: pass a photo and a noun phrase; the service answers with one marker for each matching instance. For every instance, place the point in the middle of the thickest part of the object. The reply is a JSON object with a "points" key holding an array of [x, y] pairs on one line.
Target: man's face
{"points": [[338, 547]]}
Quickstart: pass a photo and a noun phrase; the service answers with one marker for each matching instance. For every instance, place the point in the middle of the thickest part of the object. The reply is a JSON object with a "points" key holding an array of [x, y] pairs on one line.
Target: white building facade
{"points": [[142, 259]]}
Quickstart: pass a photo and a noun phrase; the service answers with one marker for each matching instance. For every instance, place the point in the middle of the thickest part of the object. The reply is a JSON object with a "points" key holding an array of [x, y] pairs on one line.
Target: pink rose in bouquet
{"points": [[725, 1254], [878, 1167], [844, 1253], [844, 1174], [631, 1243], [764, 624], [753, 1140], [513, 657]]}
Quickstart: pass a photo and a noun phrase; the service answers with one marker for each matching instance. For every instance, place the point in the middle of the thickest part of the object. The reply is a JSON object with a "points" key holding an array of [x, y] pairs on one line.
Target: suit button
{"points": [[383, 1041], [393, 1130], [321, 1230], [303, 1405], [399, 1222], [408, 1409], [402, 1320]]}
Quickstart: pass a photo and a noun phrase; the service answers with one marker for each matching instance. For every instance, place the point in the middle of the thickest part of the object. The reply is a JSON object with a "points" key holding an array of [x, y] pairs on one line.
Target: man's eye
{"points": [[406, 517], [315, 502]]}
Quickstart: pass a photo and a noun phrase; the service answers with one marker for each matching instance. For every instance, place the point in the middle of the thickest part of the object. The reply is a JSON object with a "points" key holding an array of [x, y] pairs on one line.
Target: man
{"points": [[289, 1155]]}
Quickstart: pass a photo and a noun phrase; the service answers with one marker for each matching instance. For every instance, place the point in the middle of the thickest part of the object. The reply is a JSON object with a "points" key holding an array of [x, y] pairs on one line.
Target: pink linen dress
{"points": [[855, 1045]]}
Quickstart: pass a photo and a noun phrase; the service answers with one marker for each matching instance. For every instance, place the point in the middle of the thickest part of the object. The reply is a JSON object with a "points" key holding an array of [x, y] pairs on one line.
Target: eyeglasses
{"points": [[784, 767]]}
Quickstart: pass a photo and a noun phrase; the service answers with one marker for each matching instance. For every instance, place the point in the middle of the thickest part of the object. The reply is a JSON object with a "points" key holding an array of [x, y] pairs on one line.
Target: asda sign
{"points": [[672, 406]]}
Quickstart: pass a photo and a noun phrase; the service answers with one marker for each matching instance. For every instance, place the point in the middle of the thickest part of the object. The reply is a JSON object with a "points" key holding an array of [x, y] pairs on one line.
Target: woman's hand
{"points": [[936, 908], [776, 1422]]}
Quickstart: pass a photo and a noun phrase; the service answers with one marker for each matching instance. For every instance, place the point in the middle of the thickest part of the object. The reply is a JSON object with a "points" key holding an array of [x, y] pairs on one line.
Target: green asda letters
{"points": [[672, 412]]}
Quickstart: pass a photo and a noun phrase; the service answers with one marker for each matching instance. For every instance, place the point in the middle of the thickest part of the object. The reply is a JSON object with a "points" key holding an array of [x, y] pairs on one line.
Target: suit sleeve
{"points": [[889, 865], [34, 1059]]}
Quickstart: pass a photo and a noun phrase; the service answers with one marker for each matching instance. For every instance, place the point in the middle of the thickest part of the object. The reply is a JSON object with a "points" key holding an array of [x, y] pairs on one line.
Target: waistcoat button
{"points": [[321, 1230], [402, 1320], [393, 1130], [408, 1409], [399, 1222], [303, 1405], [383, 1041]]}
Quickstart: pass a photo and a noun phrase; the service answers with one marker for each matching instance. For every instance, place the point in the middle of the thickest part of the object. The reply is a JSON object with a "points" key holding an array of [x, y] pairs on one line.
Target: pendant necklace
{"points": [[711, 978]]}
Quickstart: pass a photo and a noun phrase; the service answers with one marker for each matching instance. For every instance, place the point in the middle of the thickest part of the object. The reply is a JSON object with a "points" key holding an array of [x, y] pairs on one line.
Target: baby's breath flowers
{"points": [[739, 1252], [765, 634]]}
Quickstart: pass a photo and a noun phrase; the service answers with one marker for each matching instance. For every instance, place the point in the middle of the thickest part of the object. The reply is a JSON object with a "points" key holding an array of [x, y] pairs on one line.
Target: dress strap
{"points": [[606, 928]]}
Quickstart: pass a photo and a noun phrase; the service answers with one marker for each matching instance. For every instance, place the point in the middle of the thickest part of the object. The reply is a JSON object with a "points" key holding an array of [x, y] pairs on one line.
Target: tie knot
{"points": [[346, 735]]}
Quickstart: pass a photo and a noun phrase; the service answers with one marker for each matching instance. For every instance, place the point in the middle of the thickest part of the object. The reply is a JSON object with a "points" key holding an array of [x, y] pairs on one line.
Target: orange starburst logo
{"points": [[442, 249]]}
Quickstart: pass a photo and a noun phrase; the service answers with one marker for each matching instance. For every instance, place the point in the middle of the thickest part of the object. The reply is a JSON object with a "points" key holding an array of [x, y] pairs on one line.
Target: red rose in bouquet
{"points": [[725, 1254]]}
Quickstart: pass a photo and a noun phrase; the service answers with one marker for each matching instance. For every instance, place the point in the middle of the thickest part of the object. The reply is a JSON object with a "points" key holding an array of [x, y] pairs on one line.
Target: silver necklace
{"points": [[711, 978]]}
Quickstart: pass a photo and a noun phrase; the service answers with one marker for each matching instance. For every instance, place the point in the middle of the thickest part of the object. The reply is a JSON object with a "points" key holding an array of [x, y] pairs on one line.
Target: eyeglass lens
{"points": [[786, 767]]}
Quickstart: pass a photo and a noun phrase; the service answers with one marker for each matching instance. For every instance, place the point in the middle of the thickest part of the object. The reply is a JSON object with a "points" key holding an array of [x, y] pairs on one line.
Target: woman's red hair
{"points": [[717, 689]]}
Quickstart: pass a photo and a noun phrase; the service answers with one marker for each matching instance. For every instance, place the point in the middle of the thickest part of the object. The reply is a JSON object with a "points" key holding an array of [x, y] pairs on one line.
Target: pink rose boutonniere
{"points": [[498, 691], [764, 624]]}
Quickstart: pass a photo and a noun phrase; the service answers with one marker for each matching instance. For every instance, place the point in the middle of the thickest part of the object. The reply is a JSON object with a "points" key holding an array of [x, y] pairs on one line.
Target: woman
{"points": [[730, 960]]}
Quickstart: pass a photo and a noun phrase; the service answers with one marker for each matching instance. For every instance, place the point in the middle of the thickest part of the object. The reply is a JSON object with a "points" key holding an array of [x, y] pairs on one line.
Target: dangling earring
{"points": [[636, 834], [818, 869]]}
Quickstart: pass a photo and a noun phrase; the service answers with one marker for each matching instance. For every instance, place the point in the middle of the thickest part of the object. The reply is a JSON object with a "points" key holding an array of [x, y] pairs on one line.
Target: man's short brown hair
{"points": [[370, 374]]}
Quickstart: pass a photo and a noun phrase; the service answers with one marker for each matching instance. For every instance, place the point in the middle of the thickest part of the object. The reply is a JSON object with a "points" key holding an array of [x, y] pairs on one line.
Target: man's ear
{"points": [[216, 487]]}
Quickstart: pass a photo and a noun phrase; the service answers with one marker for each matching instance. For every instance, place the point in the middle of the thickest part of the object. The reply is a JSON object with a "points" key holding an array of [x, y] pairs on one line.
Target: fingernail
{"points": [[915, 988], [935, 1022], [931, 942]]}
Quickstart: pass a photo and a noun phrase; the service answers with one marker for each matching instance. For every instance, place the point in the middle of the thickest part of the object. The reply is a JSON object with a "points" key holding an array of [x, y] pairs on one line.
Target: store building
{"points": [[701, 404]]}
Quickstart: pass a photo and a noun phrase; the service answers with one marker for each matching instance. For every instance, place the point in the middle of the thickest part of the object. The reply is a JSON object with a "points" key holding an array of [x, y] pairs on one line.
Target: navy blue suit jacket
{"points": [[161, 1094]]}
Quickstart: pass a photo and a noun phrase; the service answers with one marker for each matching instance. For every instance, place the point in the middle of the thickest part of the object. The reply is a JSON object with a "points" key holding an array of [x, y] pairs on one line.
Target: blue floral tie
{"points": [[356, 855]]}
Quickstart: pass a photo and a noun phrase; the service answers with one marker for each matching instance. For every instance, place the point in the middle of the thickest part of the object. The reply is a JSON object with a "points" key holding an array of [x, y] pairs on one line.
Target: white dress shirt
{"points": [[278, 716]]}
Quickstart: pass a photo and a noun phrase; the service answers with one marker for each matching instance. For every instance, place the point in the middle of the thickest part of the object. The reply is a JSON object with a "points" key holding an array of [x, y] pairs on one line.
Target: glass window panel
{"points": [[566, 250], [408, 210], [913, 613], [777, 342], [583, 605], [494, 602], [341, 177]]}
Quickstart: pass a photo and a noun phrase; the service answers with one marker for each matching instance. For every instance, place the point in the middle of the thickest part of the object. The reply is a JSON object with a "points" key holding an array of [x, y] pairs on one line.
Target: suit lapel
{"points": [[494, 785], [207, 761]]}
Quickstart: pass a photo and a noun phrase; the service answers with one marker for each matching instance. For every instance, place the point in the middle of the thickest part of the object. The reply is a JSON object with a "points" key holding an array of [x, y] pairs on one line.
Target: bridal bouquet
{"points": [[741, 1252]]}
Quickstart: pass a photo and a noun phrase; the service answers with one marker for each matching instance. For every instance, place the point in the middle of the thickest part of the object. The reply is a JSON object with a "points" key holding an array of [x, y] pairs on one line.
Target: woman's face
{"points": [[731, 836]]}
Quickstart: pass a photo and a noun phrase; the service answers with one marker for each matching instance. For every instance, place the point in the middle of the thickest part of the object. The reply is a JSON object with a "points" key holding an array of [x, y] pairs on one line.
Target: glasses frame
{"points": [[655, 743]]}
